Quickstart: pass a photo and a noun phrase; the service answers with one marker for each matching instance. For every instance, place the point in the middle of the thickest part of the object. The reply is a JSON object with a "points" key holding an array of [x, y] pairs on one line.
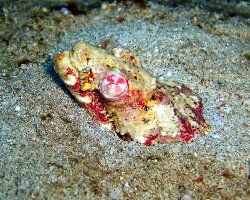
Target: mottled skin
{"points": [[151, 111]]}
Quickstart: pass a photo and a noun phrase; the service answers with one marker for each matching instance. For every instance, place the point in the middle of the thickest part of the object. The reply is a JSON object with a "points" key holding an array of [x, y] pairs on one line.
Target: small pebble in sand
{"points": [[17, 108], [105, 5], [169, 73], [65, 11], [115, 194], [126, 187], [45, 10]]}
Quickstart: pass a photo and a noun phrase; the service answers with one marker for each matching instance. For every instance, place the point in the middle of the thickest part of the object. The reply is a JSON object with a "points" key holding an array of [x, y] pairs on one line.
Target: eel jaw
{"points": [[65, 70]]}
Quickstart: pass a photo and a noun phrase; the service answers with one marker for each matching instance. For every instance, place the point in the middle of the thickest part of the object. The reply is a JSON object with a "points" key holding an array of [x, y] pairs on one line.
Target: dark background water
{"points": [[232, 7]]}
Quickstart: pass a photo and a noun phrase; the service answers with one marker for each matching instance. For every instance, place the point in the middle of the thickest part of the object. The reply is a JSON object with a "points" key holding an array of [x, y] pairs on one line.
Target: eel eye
{"points": [[113, 86]]}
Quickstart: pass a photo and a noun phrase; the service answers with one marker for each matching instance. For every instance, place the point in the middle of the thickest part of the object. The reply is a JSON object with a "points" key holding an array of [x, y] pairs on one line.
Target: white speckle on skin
{"points": [[161, 78], [71, 80], [90, 63], [160, 110], [163, 133], [117, 52], [194, 98], [140, 138], [167, 116], [117, 70], [85, 99], [107, 126], [98, 69], [173, 134]]}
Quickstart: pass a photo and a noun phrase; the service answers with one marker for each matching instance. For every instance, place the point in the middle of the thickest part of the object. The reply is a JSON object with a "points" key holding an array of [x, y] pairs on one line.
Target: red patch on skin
{"points": [[98, 109], [141, 103], [91, 75], [69, 71], [187, 91], [135, 99], [77, 86], [159, 95], [96, 106], [149, 139], [187, 132], [131, 58], [85, 93], [198, 113]]}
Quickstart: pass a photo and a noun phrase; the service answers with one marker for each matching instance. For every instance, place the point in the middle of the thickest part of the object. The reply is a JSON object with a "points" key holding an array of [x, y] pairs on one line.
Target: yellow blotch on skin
{"points": [[86, 86]]}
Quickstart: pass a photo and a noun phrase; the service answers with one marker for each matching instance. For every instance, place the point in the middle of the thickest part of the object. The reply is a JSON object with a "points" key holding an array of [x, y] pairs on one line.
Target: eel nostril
{"points": [[113, 86]]}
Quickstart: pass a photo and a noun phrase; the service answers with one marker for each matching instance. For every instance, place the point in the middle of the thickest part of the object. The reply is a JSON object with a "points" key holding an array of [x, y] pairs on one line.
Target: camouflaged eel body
{"points": [[122, 96]]}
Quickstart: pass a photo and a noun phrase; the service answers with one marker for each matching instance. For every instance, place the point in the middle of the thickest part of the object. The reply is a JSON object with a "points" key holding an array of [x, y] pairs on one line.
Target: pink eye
{"points": [[113, 86]]}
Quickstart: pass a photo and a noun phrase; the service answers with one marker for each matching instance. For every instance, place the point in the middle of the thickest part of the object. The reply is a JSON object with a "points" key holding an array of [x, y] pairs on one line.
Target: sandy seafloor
{"points": [[51, 148]]}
